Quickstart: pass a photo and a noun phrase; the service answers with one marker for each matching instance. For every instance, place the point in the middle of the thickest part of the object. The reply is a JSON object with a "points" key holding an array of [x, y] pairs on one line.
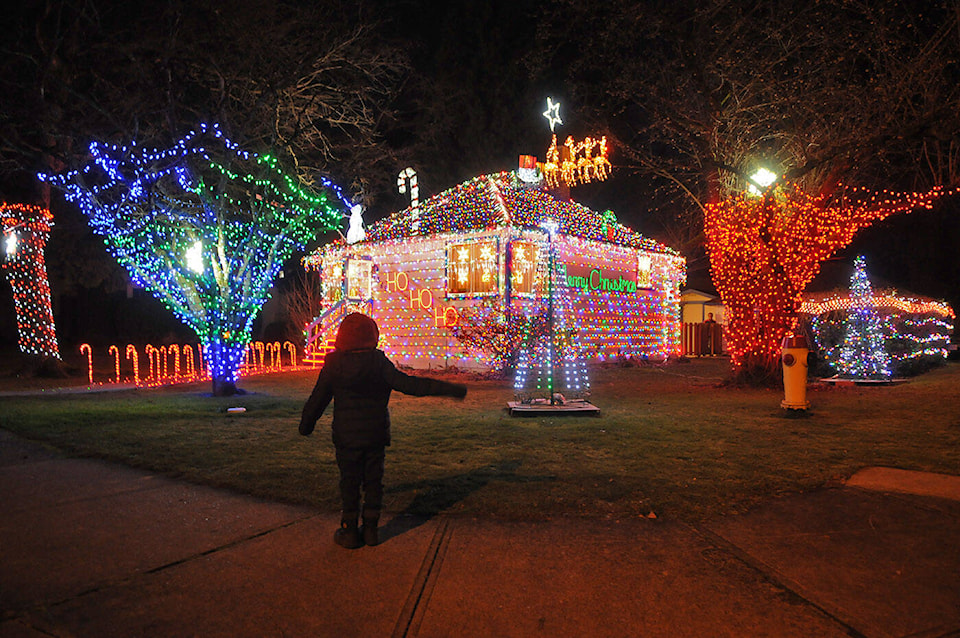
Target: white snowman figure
{"points": [[356, 233]]}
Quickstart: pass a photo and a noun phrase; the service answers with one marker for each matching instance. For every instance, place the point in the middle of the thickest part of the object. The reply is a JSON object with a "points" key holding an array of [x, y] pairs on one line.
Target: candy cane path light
{"points": [[166, 366]]}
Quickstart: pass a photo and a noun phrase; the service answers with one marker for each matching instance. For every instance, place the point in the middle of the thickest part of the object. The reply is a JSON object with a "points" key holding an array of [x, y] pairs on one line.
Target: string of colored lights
{"points": [[905, 340], [479, 204], [551, 366], [891, 300], [26, 230], [765, 251], [205, 226]]}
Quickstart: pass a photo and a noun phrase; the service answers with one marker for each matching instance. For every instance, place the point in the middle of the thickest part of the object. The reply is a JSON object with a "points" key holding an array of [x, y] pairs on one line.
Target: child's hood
{"points": [[357, 331]]}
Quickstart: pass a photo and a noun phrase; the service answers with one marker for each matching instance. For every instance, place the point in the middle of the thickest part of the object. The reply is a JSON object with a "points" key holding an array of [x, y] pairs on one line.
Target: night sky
{"points": [[470, 101]]}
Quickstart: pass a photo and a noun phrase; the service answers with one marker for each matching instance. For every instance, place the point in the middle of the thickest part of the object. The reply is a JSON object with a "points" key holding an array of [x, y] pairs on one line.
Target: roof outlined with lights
{"points": [[503, 199]]}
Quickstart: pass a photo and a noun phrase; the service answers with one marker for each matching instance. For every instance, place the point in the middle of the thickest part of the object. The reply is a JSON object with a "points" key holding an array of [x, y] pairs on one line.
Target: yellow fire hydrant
{"points": [[794, 358]]}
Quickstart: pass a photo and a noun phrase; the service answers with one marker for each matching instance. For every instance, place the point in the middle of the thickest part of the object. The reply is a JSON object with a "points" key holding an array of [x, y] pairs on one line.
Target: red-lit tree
{"points": [[25, 230], [765, 250]]}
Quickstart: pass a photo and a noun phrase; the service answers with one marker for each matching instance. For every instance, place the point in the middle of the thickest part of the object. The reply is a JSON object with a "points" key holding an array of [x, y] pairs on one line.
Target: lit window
{"points": [[473, 268], [359, 279], [332, 282], [523, 266], [644, 266]]}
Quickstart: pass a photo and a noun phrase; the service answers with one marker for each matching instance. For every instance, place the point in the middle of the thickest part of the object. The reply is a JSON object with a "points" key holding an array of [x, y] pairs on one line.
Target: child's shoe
{"points": [[371, 536], [348, 535]]}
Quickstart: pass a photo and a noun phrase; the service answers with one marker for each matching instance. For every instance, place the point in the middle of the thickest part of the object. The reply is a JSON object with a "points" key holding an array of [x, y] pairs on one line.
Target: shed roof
{"points": [[502, 199]]}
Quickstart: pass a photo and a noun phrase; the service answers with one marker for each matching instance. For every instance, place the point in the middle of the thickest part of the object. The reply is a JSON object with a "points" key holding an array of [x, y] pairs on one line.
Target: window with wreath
{"points": [[473, 268]]}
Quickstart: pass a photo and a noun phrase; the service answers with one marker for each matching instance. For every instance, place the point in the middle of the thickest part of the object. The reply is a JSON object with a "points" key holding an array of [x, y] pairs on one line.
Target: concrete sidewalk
{"points": [[93, 549]]}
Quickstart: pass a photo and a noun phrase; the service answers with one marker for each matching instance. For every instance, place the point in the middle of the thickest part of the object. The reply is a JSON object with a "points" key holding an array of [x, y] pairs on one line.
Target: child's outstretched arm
{"points": [[420, 386], [319, 400]]}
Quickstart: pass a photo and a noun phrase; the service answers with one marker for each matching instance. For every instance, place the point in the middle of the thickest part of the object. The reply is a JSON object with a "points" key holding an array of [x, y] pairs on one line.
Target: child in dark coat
{"points": [[359, 378]]}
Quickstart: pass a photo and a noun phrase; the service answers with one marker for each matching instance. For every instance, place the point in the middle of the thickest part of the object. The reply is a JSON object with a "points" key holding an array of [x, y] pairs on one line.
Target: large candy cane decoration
{"points": [[174, 350], [202, 371], [115, 351], [85, 348], [293, 353], [260, 351], [162, 353], [408, 174], [275, 355], [188, 360], [153, 356], [132, 354]]}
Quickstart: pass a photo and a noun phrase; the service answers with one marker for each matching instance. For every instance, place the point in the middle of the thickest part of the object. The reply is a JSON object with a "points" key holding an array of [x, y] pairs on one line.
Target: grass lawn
{"points": [[670, 440]]}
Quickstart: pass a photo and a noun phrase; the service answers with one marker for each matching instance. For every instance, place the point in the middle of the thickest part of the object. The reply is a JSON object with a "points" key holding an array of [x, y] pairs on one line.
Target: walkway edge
{"points": [[424, 582], [785, 583], [891, 479]]}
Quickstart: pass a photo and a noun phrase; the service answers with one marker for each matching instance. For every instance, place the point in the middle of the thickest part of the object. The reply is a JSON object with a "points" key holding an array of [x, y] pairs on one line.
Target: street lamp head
{"points": [[761, 178], [10, 244]]}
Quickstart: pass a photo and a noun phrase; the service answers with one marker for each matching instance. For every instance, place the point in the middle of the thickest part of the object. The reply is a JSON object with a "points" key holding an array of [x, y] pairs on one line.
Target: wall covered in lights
{"points": [[418, 272]]}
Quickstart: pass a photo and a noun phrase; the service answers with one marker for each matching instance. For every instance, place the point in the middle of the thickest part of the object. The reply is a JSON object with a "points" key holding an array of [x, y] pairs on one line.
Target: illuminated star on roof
{"points": [[552, 113]]}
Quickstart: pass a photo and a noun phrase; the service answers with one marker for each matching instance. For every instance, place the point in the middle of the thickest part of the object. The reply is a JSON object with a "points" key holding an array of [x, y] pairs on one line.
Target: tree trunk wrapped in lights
{"points": [[765, 250], [205, 226], [25, 230]]}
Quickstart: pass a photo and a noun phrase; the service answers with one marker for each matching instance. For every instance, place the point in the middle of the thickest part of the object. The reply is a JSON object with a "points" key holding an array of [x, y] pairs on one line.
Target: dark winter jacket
{"points": [[360, 382]]}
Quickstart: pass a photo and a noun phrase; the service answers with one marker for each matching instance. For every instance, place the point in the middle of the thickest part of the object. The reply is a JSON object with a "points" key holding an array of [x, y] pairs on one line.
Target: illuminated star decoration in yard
{"points": [[552, 113]]}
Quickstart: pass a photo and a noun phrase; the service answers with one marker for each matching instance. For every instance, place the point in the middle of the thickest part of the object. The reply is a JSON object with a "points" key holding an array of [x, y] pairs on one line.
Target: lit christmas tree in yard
{"points": [[863, 354], [551, 370], [205, 226]]}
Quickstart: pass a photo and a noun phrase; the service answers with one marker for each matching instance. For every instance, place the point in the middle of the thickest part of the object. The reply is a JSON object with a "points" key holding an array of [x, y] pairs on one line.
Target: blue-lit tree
{"points": [[863, 354], [205, 226]]}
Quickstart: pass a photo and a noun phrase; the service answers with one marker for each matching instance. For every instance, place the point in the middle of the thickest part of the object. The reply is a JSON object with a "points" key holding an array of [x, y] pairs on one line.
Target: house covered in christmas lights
{"points": [[419, 271]]}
